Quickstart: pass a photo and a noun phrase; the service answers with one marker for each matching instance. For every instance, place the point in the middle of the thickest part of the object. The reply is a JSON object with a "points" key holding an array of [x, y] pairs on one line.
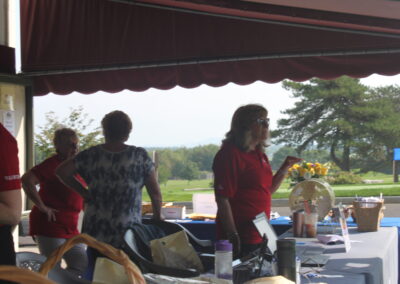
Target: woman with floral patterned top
{"points": [[115, 174]]}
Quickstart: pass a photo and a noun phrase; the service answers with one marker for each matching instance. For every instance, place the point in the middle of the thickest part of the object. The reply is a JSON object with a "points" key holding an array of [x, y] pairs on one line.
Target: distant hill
{"points": [[271, 150], [214, 141]]}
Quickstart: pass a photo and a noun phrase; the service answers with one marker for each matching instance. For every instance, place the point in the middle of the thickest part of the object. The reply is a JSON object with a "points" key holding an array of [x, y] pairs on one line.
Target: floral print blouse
{"points": [[115, 181]]}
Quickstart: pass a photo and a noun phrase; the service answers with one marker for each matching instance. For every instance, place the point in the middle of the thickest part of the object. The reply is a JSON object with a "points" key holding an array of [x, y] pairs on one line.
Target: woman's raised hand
{"points": [[290, 161]]}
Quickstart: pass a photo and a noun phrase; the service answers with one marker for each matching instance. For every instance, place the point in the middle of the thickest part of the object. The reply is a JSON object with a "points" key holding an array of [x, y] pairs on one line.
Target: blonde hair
{"points": [[116, 126], [240, 133]]}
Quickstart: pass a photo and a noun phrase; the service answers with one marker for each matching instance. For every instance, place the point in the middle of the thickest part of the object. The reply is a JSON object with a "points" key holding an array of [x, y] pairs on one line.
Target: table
{"points": [[284, 223], [206, 230], [372, 259]]}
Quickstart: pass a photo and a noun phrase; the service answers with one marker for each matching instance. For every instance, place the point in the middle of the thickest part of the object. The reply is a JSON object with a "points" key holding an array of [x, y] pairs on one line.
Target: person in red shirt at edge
{"points": [[243, 178], [54, 217], [10, 196]]}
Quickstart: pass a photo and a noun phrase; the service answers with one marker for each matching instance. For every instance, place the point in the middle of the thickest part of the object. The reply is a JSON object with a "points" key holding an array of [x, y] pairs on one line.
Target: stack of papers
{"points": [[330, 239], [311, 255]]}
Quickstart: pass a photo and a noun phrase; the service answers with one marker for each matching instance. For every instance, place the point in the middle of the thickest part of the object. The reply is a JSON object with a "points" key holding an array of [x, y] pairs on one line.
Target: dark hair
{"points": [[62, 133], [116, 126], [242, 119]]}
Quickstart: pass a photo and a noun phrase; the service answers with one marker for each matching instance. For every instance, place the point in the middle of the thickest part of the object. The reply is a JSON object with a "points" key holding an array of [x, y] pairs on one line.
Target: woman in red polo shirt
{"points": [[243, 179], [10, 196], [54, 218]]}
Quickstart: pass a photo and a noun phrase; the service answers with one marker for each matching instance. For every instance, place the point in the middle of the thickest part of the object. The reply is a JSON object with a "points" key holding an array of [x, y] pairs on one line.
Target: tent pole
{"points": [[212, 60]]}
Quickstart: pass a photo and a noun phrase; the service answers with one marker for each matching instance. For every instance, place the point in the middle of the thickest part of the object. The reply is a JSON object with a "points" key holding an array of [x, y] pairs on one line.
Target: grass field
{"points": [[174, 190]]}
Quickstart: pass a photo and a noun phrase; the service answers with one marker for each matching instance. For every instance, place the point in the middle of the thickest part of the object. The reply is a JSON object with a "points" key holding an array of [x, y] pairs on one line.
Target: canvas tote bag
{"points": [[175, 251]]}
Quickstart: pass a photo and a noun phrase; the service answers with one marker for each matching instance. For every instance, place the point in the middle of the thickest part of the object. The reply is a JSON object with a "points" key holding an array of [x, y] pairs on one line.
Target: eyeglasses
{"points": [[263, 121]]}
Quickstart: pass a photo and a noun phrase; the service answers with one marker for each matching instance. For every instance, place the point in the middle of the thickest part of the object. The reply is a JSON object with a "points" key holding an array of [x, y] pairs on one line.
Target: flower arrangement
{"points": [[304, 171]]}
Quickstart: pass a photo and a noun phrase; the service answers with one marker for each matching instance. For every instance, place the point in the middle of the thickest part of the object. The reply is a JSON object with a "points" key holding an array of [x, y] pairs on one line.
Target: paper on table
{"points": [[330, 239]]}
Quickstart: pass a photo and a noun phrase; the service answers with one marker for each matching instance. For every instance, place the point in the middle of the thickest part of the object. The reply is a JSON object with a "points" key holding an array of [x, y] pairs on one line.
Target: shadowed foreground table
{"points": [[372, 259]]}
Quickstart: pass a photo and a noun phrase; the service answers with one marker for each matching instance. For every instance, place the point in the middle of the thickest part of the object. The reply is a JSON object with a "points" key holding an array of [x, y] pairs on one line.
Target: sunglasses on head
{"points": [[263, 121]]}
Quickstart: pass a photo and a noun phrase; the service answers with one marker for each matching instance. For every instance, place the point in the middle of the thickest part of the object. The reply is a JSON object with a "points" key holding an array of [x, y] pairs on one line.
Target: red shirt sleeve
{"points": [[9, 167], [225, 167]]}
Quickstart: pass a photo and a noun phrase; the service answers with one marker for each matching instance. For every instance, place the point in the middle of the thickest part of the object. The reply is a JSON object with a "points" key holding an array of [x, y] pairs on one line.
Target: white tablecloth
{"points": [[373, 259]]}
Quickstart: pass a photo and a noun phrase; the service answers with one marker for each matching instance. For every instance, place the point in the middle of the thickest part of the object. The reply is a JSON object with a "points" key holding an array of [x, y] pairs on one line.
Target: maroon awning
{"points": [[92, 45]]}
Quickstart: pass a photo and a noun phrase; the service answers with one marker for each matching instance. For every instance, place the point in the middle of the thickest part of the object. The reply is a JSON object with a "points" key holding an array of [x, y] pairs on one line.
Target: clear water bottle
{"points": [[223, 259]]}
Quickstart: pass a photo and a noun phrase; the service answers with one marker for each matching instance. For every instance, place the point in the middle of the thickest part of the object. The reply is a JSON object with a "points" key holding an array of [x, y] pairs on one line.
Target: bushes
{"points": [[344, 178]]}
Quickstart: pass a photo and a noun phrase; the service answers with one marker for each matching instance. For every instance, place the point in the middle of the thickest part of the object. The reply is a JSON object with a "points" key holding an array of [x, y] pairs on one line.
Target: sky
{"points": [[179, 117]]}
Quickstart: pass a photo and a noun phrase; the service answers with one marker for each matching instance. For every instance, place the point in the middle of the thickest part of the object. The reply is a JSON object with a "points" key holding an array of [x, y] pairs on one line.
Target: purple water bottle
{"points": [[223, 259]]}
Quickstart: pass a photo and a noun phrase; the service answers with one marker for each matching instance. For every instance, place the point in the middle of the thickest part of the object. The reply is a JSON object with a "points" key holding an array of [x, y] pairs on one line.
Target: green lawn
{"points": [[174, 189]]}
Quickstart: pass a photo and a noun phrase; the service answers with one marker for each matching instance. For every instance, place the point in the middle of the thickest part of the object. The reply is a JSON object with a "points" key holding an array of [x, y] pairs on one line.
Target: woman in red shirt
{"points": [[243, 178], [10, 196], [54, 218]]}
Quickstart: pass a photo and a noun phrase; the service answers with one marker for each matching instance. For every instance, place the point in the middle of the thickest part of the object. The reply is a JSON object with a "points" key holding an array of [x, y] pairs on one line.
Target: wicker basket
{"points": [[368, 218], [22, 275], [133, 273]]}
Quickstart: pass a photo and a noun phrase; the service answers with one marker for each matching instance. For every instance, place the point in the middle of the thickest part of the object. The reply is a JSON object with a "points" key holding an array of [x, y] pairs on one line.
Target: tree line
{"points": [[185, 163]]}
